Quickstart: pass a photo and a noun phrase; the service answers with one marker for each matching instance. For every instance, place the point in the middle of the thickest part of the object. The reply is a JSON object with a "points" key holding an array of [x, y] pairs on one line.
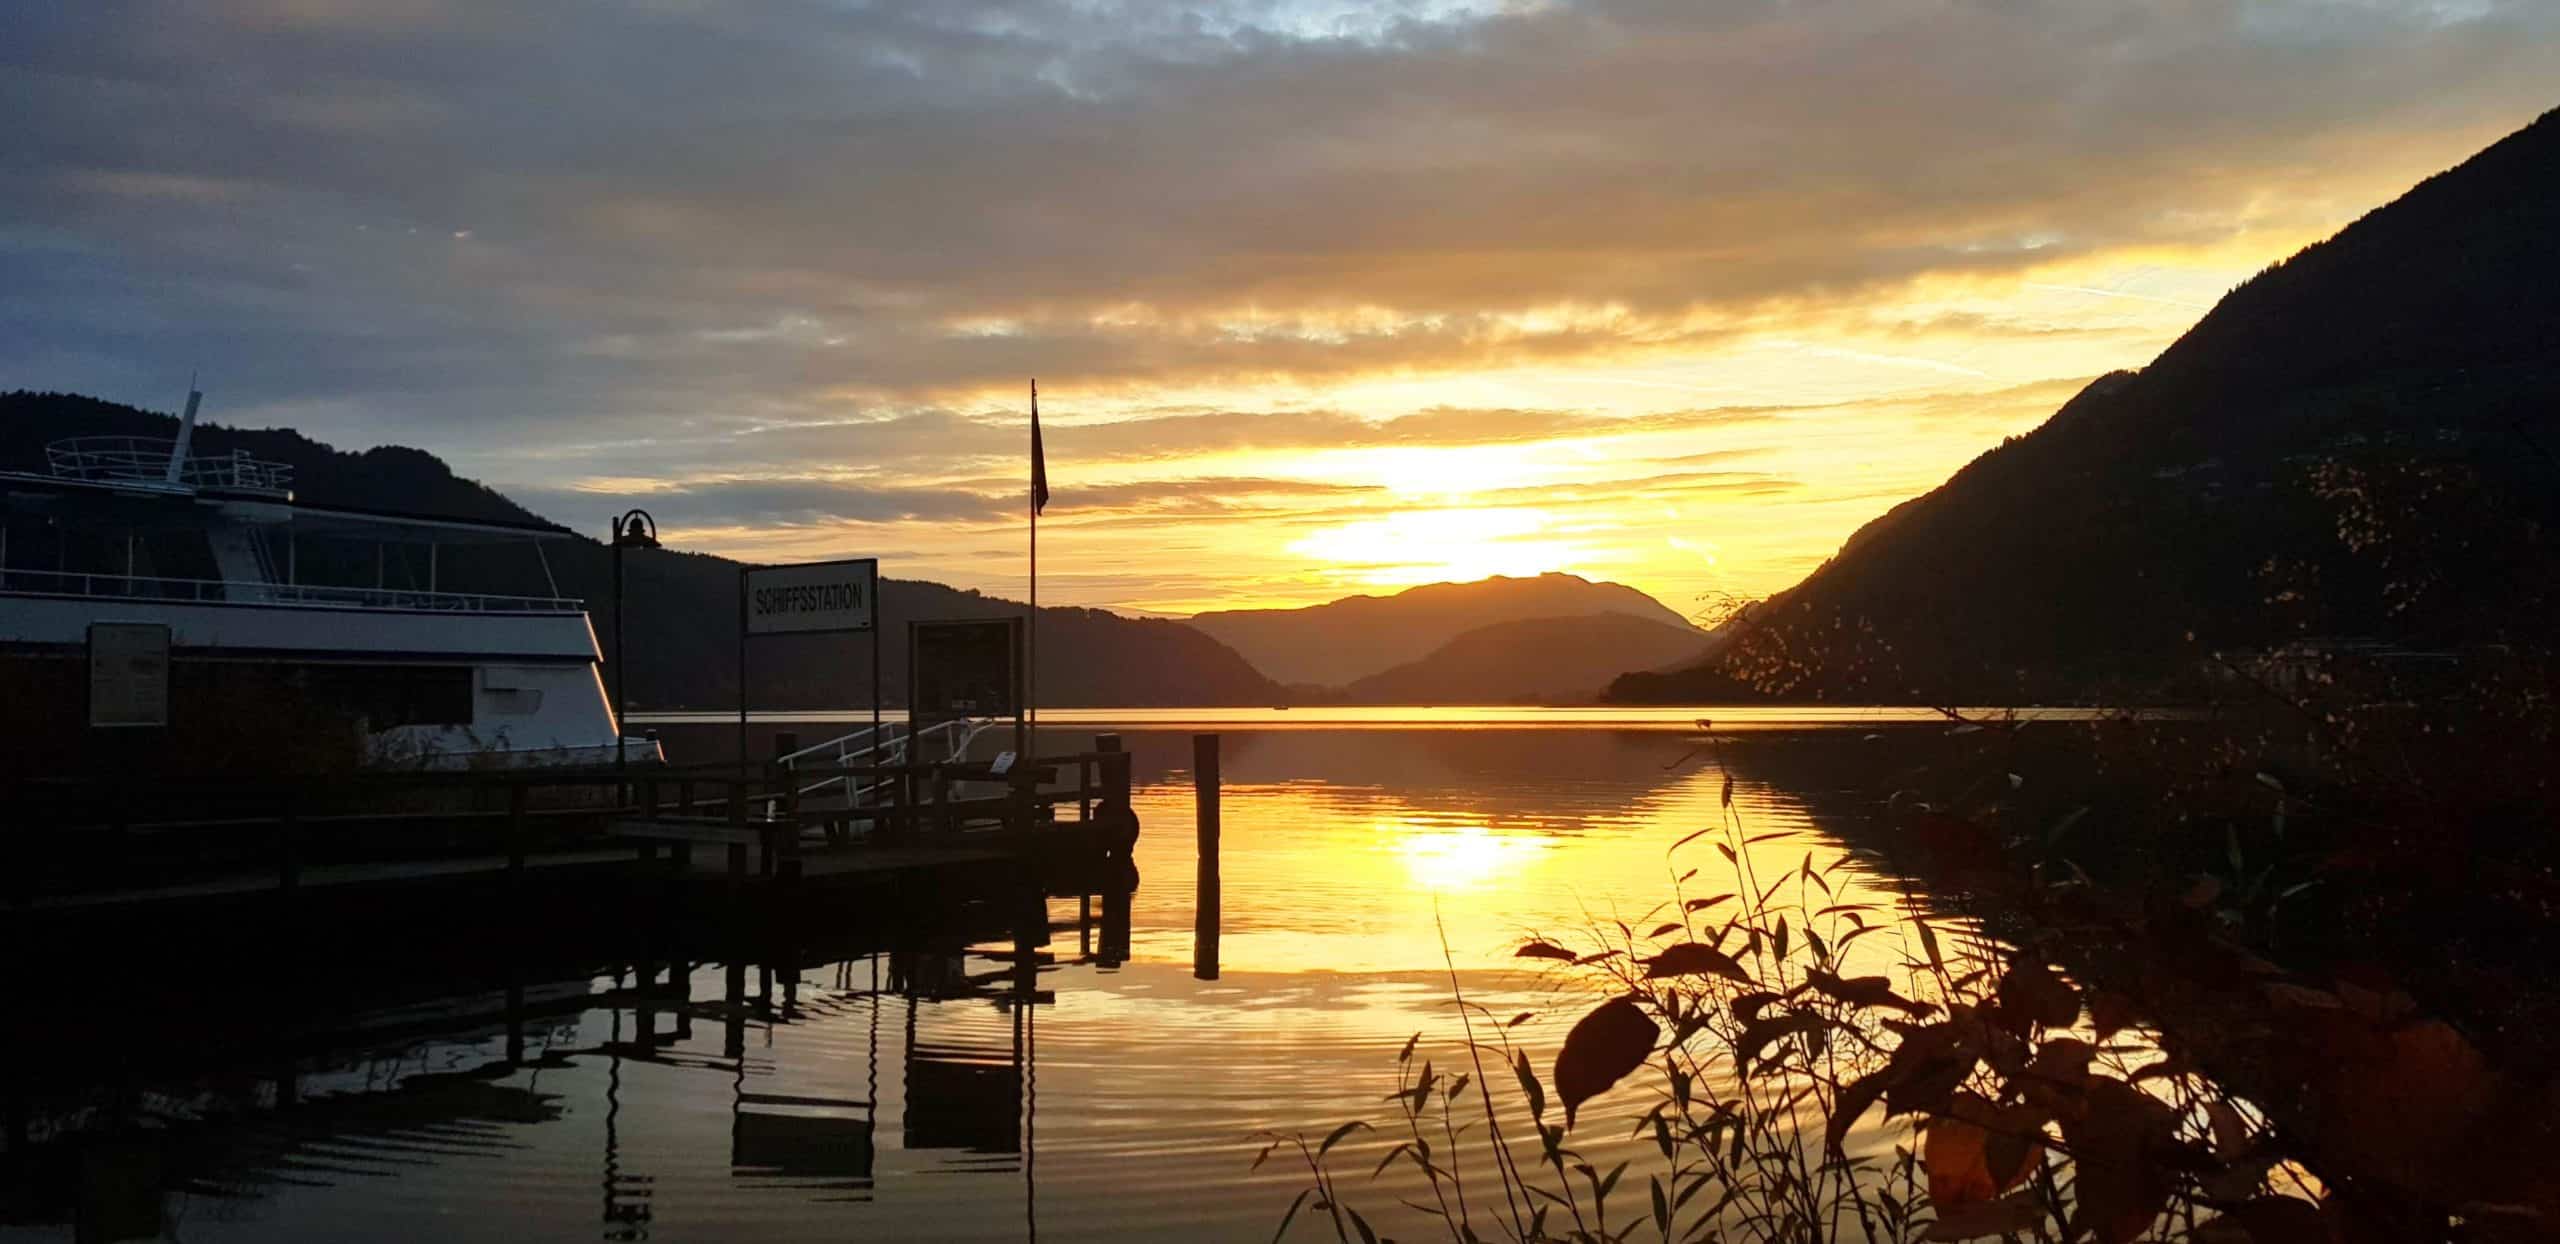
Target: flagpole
{"points": [[1031, 655]]}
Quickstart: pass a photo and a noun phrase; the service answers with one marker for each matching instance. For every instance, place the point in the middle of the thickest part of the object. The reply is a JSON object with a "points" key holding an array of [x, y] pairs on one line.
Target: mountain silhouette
{"points": [[1338, 643], [1534, 660], [2357, 442]]}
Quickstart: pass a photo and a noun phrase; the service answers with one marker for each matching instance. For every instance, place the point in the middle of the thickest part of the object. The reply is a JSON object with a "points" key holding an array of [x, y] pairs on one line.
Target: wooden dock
{"points": [[699, 837]]}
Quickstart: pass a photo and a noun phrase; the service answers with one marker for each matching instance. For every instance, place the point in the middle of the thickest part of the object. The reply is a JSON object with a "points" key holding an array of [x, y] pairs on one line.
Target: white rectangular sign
{"points": [[128, 674], [815, 597]]}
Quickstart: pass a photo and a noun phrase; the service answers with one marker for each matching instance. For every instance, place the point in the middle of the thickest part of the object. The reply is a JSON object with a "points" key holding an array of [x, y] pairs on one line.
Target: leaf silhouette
{"points": [[2031, 991], [1602, 1048], [2116, 1145], [1977, 1151], [1849, 1106], [1955, 1153], [1756, 1035], [1543, 950], [1335, 1137], [2010, 1215], [2109, 1013], [1695, 959], [1926, 1069], [2057, 1078], [1529, 1086], [2277, 1220], [1866, 991]]}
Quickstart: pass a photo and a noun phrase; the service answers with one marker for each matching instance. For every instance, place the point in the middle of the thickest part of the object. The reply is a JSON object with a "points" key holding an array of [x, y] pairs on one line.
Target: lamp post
{"points": [[633, 529]]}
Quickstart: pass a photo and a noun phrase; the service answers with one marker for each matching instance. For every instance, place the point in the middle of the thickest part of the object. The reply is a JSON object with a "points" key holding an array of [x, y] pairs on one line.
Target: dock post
{"points": [[288, 849], [738, 822], [1206, 895], [1113, 818], [515, 834]]}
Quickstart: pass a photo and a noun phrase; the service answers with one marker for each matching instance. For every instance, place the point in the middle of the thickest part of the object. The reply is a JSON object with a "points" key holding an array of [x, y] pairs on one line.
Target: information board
{"points": [[128, 674], [965, 669]]}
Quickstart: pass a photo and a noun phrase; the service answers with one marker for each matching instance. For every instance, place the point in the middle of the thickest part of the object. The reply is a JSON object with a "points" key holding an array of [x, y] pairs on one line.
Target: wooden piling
{"points": [[1206, 895], [1204, 792], [1112, 815], [288, 848], [738, 850], [515, 835]]}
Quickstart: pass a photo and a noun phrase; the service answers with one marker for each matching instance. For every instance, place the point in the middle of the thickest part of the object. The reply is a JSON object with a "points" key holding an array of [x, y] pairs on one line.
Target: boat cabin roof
{"points": [[153, 504]]}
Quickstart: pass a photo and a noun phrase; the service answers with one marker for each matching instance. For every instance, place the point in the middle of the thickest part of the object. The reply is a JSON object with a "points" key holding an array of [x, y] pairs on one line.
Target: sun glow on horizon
{"points": [[1458, 545]]}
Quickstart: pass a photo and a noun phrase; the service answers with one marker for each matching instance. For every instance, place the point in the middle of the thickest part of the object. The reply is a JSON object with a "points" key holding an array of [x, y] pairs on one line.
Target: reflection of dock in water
{"points": [[799, 1035]]}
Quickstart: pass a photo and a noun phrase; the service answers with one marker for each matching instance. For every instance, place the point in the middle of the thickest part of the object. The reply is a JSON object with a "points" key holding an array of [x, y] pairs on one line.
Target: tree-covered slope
{"points": [[1338, 642], [2354, 443]]}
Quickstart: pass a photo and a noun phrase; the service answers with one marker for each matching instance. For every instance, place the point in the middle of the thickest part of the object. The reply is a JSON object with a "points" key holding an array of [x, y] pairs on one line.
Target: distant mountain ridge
{"points": [[683, 625], [2358, 441], [1533, 660], [1339, 643]]}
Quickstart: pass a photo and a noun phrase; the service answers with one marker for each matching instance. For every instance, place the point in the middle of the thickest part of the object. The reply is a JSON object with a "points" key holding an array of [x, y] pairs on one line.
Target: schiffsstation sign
{"points": [[813, 598]]}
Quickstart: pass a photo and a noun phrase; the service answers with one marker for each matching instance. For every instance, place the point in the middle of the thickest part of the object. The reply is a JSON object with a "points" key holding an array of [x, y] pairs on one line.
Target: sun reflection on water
{"points": [[1468, 858]]}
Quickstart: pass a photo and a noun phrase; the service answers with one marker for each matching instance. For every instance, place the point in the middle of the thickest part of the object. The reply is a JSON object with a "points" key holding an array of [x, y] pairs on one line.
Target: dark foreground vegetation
{"points": [[2282, 974]]}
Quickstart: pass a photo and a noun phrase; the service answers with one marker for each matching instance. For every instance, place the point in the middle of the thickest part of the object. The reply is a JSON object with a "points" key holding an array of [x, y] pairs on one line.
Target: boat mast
{"points": [[186, 433]]}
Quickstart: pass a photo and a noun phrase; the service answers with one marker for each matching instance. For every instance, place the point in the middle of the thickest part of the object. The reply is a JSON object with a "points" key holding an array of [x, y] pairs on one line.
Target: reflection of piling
{"points": [[1117, 821], [1204, 788], [734, 1016], [1113, 947], [515, 1013]]}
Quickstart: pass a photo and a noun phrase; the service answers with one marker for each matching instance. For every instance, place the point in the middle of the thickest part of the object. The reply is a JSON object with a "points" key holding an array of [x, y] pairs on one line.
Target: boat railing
{"points": [[291, 595], [145, 459], [888, 744]]}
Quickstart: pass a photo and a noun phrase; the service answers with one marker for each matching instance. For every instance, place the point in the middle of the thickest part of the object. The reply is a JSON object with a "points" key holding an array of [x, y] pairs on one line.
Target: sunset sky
{"points": [[1322, 296]]}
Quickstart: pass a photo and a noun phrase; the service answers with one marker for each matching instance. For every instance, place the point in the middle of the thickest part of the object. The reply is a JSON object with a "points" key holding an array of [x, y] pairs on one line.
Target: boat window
{"points": [[513, 701]]}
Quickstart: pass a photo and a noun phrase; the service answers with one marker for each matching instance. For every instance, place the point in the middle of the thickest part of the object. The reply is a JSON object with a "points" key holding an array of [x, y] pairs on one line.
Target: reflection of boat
{"points": [[235, 594]]}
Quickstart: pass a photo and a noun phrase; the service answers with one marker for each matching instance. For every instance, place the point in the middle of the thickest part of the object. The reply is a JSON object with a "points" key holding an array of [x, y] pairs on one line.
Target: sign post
{"points": [[812, 598]]}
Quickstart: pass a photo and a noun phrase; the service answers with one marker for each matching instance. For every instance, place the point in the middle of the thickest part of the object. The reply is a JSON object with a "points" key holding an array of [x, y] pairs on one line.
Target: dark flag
{"points": [[1039, 460]]}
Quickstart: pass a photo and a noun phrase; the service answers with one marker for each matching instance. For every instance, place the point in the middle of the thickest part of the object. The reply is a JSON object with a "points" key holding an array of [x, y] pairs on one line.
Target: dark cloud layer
{"points": [[766, 263], [489, 212]]}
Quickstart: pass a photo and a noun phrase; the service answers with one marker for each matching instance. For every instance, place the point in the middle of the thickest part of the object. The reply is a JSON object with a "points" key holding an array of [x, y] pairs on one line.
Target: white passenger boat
{"points": [[385, 620]]}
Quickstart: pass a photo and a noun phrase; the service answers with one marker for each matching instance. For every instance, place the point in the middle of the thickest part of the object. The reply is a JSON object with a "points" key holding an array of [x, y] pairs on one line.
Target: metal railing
{"points": [[290, 595], [145, 459], [896, 745]]}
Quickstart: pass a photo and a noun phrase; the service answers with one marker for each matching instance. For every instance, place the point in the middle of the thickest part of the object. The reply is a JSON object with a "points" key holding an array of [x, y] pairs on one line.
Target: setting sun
{"points": [[1427, 546]]}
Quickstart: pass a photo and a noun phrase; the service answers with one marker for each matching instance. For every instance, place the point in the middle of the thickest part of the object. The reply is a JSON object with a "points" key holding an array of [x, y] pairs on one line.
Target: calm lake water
{"points": [[916, 1094]]}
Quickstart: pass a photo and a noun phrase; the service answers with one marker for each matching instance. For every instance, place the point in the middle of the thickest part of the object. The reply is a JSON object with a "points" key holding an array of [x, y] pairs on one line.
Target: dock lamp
{"points": [[634, 529]]}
